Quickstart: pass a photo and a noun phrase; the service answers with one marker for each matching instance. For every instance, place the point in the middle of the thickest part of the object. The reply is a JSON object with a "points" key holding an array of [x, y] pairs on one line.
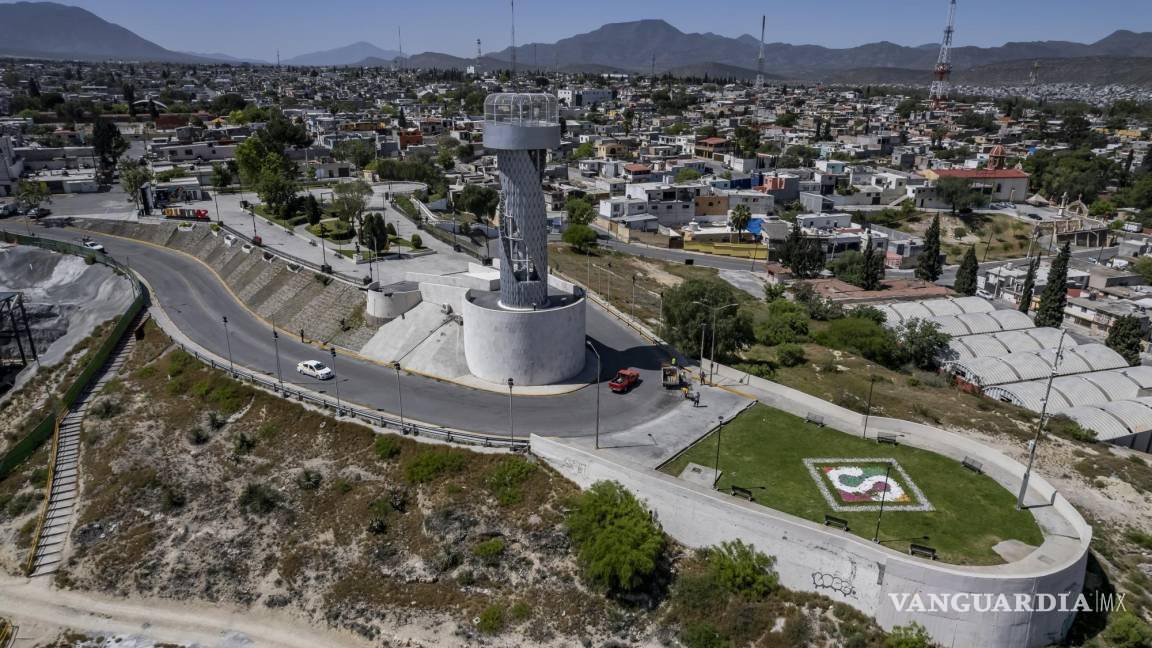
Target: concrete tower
{"points": [[532, 331]]}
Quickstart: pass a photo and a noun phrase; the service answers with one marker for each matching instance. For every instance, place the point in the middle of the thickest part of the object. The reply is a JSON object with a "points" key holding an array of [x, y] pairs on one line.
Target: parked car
{"points": [[624, 381], [92, 245], [1035, 217], [316, 369]]}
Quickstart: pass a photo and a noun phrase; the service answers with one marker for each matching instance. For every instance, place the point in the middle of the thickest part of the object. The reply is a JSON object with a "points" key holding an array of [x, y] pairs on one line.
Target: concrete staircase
{"points": [[61, 507]]}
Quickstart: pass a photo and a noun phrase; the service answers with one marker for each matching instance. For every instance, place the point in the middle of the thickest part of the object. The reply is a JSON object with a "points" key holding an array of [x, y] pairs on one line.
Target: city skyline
{"points": [[260, 28]]}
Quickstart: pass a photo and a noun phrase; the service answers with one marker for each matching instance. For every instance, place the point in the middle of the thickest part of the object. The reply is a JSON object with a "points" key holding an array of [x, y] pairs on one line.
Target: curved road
{"points": [[196, 301]]}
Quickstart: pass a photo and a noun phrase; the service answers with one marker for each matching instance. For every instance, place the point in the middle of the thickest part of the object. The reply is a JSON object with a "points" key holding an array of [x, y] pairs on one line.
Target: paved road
{"points": [[196, 301]]}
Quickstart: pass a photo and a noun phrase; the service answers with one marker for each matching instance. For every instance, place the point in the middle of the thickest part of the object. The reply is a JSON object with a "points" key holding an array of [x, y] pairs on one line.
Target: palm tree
{"points": [[740, 217]]}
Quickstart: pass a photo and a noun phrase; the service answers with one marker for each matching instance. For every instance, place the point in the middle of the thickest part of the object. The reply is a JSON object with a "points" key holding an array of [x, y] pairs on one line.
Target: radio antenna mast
{"points": [[513, 40], [760, 59]]}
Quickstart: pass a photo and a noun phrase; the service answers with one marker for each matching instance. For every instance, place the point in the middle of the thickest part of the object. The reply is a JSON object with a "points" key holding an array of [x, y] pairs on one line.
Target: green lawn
{"points": [[764, 450], [334, 230]]}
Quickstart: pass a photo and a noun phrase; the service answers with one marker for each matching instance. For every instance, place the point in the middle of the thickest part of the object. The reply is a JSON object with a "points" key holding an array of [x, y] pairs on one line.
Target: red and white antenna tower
{"points": [[943, 72], [760, 59]]}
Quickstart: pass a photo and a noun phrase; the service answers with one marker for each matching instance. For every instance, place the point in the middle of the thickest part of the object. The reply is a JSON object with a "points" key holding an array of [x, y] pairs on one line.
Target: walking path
{"points": [[61, 505]]}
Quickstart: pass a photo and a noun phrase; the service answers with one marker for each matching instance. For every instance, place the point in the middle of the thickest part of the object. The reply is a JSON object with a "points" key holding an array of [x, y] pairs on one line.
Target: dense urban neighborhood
{"points": [[644, 337]]}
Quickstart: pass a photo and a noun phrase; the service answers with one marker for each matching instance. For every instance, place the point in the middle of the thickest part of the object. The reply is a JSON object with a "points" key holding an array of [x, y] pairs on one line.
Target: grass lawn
{"points": [[334, 229], [764, 450]]}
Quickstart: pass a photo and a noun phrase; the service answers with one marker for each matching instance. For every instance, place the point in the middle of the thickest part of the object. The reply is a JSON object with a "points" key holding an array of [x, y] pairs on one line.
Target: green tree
{"points": [[374, 234], [359, 152], [312, 210], [966, 274], [686, 175], [584, 151], [929, 267], [872, 268], [742, 570], [350, 199], [30, 194], [959, 193], [922, 342], [1143, 267], [912, 635], [1124, 337], [581, 237], [787, 120], [1055, 294], [480, 201], [221, 175], [580, 211], [134, 174], [1126, 630], [689, 307], [740, 218], [275, 187], [618, 545], [1029, 287], [107, 145]]}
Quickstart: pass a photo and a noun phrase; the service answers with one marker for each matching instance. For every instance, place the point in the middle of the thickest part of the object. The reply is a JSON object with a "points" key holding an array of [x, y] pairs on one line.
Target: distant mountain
{"points": [[719, 70], [227, 58], [55, 31], [347, 55], [1096, 70]]}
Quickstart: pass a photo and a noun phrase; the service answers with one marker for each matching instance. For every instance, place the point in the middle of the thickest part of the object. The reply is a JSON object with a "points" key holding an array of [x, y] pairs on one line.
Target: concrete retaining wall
{"points": [[385, 306], [845, 568], [541, 347]]}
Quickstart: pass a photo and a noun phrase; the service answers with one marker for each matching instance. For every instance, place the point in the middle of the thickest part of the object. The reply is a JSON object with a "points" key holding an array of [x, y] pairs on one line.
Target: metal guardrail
{"points": [[7, 633], [380, 419], [40, 519], [357, 281]]}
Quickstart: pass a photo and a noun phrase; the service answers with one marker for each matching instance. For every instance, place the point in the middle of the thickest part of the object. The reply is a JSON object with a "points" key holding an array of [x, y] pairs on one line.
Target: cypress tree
{"points": [[1029, 286], [871, 272], [928, 266], [966, 275], [1124, 338], [1055, 295]]}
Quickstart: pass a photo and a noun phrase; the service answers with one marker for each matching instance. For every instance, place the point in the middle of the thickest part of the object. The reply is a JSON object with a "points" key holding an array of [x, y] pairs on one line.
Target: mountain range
{"points": [[56, 31]]}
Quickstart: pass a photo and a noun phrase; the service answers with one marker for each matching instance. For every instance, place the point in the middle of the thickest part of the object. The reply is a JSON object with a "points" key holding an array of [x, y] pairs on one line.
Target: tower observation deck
{"points": [[520, 127]]}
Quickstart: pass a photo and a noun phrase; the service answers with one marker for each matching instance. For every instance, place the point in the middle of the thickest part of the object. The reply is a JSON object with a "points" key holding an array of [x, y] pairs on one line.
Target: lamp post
{"points": [[716, 461], [1040, 424], [336, 382], [228, 341], [252, 213], [511, 422], [712, 355], [633, 313], [883, 499], [216, 200], [276, 350], [597, 383], [399, 394], [868, 414]]}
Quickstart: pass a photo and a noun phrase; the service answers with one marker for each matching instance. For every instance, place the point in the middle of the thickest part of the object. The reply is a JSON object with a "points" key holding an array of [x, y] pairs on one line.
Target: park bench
{"points": [[839, 523], [973, 465], [890, 439], [922, 551], [739, 491], [815, 419]]}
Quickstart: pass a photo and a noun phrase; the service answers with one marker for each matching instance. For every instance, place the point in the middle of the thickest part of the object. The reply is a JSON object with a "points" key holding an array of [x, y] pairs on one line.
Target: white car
{"points": [[317, 370], [93, 245]]}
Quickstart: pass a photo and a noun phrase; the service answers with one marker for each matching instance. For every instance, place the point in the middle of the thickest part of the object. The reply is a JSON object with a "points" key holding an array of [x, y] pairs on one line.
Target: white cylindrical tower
{"points": [[533, 331]]}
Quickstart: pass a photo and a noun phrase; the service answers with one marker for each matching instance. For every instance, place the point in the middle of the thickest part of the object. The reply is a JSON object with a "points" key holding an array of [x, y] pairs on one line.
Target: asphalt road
{"points": [[197, 302]]}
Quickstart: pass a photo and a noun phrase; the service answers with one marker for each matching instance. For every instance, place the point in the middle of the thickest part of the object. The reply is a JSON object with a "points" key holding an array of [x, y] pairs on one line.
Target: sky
{"points": [[257, 28]]}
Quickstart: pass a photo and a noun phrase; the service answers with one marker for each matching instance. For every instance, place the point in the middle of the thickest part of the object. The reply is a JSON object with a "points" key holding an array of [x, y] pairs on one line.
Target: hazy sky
{"points": [[256, 28]]}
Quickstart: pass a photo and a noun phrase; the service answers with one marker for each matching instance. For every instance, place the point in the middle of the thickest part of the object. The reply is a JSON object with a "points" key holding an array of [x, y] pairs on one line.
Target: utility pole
{"points": [[511, 421], [943, 71], [883, 499], [712, 355], [716, 461], [399, 394], [597, 383], [868, 414], [228, 341], [276, 348], [513, 15], [336, 382]]}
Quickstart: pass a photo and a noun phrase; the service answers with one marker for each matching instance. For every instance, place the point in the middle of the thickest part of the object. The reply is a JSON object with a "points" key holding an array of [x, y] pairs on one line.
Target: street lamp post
{"points": [[1040, 424], [511, 421], [716, 461], [216, 200], [276, 348], [252, 212], [883, 499], [712, 355], [228, 341], [399, 394], [868, 414], [336, 382], [597, 384]]}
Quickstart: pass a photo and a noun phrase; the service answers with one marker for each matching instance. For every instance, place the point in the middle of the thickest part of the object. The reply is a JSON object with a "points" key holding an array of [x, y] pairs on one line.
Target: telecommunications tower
{"points": [[760, 59], [943, 72]]}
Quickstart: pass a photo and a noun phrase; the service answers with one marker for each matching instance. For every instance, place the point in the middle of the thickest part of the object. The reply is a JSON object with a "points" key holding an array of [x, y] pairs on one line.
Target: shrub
{"points": [[89, 259], [465, 578], [197, 436], [178, 362], [505, 478], [215, 421], [702, 634], [106, 408], [798, 629], [790, 355], [865, 337], [243, 444], [417, 242], [433, 463], [742, 570], [520, 611], [491, 620], [912, 635], [1139, 538], [380, 510], [386, 447], [489, 551], [258, 498], [173, 499], [308, 479], [618, 544], [22, 503]]}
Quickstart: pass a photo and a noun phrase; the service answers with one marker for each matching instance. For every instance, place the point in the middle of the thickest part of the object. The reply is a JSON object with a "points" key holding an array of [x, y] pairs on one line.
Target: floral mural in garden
{"points": [[864, 484]]}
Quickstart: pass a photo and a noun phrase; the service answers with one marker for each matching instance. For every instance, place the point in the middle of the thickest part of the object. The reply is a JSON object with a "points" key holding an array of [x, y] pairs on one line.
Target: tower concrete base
{"points": [[532, 347]]}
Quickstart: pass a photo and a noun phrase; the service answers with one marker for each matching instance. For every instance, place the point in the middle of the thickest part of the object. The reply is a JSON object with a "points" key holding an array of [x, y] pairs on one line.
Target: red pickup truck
{"points": [[624, 381]]}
